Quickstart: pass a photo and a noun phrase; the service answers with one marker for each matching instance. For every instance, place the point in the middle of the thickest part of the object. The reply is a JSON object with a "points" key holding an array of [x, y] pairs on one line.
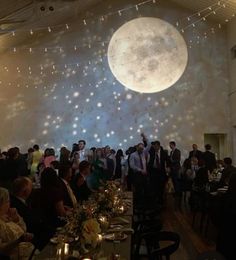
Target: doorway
{"points": [[218, 144]]}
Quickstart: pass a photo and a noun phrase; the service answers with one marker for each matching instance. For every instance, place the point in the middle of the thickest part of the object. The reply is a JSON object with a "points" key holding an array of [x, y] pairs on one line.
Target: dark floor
{"points": [[193, 242]]}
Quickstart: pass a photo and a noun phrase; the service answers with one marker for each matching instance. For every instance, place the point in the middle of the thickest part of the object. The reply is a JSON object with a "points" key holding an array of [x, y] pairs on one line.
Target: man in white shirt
{"points": [[83, 153], [138, 163]]}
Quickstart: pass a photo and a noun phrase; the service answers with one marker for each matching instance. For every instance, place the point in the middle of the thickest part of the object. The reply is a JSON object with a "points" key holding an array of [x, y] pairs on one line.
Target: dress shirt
{"points": [[138, 162], [83, 156]]}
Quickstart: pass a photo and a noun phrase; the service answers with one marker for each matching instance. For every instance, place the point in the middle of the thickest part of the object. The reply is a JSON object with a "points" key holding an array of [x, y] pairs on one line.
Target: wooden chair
{"points": [[155, 251]]}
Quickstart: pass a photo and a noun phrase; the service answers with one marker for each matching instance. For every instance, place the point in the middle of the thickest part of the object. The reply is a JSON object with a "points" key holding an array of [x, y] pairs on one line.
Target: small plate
{"points": [[115, 237], [119, 220], [112, 226], [222, 190], [56, 240]]}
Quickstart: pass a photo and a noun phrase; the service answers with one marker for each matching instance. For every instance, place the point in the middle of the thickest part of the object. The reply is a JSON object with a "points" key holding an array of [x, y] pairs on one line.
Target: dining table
{"points": [[109, 249]]}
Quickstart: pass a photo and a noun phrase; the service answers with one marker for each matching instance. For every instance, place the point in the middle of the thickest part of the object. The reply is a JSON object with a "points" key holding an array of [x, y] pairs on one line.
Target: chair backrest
{"points": [[169, 249], [210, 255], [4, 257], [152, 241]]}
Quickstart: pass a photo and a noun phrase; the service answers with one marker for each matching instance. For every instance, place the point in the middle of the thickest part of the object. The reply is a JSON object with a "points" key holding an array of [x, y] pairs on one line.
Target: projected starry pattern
{"points": [[55, 97]]}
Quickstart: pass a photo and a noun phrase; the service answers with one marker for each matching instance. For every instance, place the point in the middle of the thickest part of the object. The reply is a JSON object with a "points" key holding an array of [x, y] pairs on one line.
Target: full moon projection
{"points": [[147, 55]]}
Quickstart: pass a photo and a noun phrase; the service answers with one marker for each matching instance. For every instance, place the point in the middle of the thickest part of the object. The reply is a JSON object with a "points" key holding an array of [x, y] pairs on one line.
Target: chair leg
{"points": [[207, 225], [203, 215], [194, 216], [32, 253], [185, 196]]}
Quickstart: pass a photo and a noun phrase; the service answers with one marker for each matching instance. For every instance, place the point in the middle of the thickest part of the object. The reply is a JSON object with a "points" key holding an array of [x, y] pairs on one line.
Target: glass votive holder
{"points": [[104, 223]]}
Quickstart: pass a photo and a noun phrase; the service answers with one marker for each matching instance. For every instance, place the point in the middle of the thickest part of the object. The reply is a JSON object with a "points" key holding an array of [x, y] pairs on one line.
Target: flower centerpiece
{"points": [[89, 219], [109, 197], [83, 227], [90, 232]]}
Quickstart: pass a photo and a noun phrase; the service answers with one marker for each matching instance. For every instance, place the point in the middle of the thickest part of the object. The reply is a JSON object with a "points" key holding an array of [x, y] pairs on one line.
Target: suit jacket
{"points": [[226, 175], [31, 221], [65, 194], [210, 160], [197, 154], [34, 223], [174, 160], [163, 160]]}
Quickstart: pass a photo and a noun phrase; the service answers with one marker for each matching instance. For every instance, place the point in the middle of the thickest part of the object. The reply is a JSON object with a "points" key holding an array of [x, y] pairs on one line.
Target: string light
{"points": [[193, 24], [101, 18], [212, 8], [120, 13]]}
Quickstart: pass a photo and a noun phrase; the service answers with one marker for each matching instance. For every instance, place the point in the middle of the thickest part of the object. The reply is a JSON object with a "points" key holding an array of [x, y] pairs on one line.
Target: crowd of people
{"points": [[38, 189]]}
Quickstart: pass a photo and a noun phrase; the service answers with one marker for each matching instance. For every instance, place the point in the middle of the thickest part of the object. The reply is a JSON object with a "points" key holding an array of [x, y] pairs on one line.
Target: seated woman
{"points": [[12, 228], [51, 199], [81, 189], [97, 175]]}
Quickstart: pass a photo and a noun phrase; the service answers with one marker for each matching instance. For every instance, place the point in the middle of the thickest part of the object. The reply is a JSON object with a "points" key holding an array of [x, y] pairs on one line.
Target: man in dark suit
{"points": [[157, 170], [80, 186], [229, 169], [174, 165], [21, 190], [65, 174], [195, 153], [209, 158]]}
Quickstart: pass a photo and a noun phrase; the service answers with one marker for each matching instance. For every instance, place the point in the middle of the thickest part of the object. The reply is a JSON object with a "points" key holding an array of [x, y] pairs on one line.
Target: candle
{"points": [[59, 251], [66, 249], [102, 219], [99, 238], [103, 222], [121, 208]]}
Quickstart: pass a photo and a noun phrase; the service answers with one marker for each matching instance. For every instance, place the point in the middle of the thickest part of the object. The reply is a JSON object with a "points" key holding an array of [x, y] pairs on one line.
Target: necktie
{"points": [[141, 162], [157, 160]]}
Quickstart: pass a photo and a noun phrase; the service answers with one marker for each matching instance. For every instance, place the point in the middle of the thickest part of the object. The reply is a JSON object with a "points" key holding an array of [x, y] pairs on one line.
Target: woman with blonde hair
{"points": [[12, 228]]}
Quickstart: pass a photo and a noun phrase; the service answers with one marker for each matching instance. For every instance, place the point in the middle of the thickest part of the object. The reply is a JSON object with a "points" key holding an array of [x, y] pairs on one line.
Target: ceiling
{"points": [[15, 14], [224, 9]]}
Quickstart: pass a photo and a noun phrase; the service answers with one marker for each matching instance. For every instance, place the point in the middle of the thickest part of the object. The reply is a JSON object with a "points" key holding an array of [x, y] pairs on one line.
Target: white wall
{"points": [[41, 108], [231, 36]]}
